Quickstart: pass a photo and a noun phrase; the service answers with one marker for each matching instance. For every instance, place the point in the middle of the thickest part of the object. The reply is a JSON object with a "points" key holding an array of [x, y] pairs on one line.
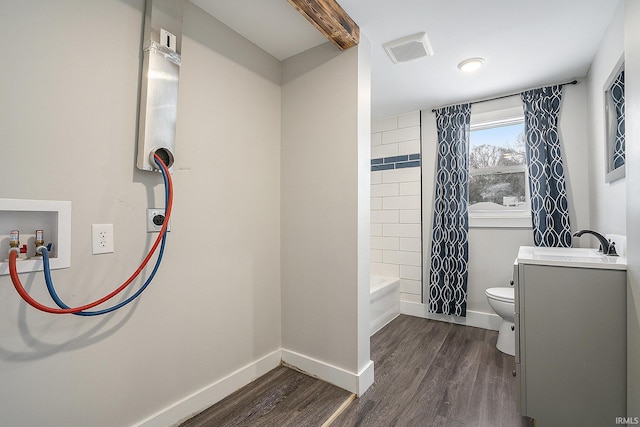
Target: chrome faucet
{"points": [[607, 247]]}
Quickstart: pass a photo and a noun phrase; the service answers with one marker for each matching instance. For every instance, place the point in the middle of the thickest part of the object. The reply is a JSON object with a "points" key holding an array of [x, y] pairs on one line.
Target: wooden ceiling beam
{"points": [[331, 20]]}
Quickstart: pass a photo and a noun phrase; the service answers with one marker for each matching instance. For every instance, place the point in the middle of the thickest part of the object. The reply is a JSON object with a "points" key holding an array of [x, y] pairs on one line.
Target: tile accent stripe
{"points": [[395, 162]]}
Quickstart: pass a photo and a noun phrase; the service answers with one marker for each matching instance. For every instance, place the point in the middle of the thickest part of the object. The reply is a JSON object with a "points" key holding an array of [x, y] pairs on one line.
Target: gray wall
{"points": [[325, 206], [607, 200], [632, 103], [213, 318], [615, 207], [69, 88]]}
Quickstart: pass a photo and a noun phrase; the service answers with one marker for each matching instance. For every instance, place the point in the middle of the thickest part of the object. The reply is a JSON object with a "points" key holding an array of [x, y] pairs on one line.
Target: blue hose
{"points": [[58, 301]]}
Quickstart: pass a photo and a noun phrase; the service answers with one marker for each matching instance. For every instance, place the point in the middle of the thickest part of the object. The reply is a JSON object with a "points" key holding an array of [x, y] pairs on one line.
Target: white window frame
{"points": [[520, 218]]}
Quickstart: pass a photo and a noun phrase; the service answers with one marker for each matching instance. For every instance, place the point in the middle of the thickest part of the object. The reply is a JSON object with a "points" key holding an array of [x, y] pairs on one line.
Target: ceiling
{"points": [[525, 43]]}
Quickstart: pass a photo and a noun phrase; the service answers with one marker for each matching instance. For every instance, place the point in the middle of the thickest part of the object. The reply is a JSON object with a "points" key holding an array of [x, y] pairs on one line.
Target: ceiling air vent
{"points": [[408, 48]]}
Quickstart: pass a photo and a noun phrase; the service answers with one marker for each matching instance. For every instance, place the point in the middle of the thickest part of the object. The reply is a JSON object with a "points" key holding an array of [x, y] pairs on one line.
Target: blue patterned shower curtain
{"points": [[449, 244], [549, 206]]}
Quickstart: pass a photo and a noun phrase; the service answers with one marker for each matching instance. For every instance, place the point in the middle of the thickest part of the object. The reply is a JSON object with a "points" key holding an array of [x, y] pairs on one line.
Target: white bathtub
{"points": [[384, 302]]}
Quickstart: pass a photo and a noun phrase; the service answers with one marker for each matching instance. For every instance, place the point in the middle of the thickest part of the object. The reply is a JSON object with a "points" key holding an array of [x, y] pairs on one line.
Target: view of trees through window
{"points": [[497, 167]]}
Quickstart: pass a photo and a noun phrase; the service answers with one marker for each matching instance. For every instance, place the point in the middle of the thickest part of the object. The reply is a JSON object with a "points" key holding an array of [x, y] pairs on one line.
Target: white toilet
{"points": [[501, 301]]}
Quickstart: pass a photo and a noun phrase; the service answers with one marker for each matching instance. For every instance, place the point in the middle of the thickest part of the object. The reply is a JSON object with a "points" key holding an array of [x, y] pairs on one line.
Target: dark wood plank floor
{"points": [[282, 397], [430, 373], [427, 373]]}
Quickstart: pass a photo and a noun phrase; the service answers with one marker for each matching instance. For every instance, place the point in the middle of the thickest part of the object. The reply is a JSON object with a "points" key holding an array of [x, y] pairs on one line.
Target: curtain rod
{"points": [[573, 82]]}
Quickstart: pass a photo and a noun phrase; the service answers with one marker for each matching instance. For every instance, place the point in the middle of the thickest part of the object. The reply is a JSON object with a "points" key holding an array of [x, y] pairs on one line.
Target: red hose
{"points": [[25, 295]]}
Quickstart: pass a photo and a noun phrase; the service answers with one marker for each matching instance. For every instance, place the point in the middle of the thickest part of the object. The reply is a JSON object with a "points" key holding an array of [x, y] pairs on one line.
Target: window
{"points": [[498, 184]]}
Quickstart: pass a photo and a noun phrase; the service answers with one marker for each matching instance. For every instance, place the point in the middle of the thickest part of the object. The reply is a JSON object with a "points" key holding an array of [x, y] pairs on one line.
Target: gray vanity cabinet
{"points": [[570, 344]]}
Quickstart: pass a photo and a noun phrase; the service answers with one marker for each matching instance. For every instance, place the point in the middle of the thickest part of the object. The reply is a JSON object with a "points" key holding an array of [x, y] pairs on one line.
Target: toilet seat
{"points": [[501, 294]]}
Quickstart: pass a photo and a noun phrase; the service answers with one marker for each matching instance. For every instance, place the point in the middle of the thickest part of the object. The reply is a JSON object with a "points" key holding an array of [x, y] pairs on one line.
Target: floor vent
{"points": [[408, 48]]}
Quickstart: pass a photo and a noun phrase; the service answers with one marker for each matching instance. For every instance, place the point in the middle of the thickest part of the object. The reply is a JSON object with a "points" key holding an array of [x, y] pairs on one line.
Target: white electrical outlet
{"points": [[102, 238]]}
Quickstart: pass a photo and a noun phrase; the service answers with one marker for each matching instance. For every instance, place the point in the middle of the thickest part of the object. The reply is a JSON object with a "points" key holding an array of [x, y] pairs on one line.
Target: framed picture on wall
{"points": [[614, 122]]}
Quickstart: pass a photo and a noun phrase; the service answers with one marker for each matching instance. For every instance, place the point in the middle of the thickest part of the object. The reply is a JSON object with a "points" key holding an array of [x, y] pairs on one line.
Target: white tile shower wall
{"points": [[396, 236]]}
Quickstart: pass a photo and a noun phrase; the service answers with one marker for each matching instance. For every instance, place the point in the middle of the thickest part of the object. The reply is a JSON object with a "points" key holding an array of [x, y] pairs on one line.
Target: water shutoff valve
{"points": [[14, 240], [39, 241]]}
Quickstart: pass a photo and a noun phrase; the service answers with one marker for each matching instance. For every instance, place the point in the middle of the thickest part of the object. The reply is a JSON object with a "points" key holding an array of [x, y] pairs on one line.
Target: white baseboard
{"points": [[196, 402], [476, 319], [355, 383], [365, 378], [213, 393]]}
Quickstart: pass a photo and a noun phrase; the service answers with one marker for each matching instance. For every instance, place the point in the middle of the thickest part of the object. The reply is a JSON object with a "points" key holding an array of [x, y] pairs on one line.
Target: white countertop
{"points": [[570, 257]]}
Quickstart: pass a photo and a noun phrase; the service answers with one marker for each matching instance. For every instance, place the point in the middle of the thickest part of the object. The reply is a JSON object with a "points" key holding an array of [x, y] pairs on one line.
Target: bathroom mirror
{"points": [[614, 111]]}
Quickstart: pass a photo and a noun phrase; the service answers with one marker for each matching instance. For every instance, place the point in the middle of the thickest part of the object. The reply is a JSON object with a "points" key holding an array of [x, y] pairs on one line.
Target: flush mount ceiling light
{"points": [[408, 48], [471, 65]]}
